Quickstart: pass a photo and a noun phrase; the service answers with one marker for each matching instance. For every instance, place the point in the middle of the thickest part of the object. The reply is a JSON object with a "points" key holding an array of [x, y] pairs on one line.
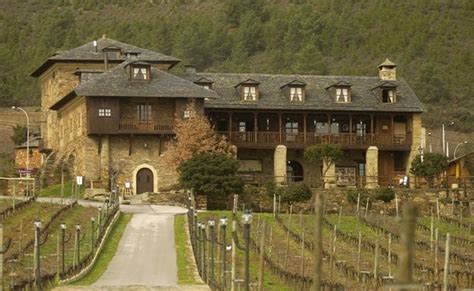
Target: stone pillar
{"points": [[330, 177], [233, 150], [416, 143], [105, 159], [279, 164], [372, 167]]}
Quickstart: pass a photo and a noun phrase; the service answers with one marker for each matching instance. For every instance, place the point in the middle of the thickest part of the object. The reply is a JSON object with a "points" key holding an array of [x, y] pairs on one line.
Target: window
{"points": [[144, 112], [291, 128], [186, 114], [242, 126], [206, 86], [388, 95], [105, 112], [342, 95], [296, 94], [140, 73], [250, 93]]}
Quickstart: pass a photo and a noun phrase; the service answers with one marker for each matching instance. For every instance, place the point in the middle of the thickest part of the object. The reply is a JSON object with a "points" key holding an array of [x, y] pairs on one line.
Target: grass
{"points": [[107, 253], [184, 256], [55, 190]]}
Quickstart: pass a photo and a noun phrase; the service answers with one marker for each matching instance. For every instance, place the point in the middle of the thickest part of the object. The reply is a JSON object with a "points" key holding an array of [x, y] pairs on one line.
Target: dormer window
{"points": [[296, 94], [248, 90], [249, 93], [387, 92], [295, 90], [388, 95], [341, 92], [205, 83], [342, 95], [140, 74]]}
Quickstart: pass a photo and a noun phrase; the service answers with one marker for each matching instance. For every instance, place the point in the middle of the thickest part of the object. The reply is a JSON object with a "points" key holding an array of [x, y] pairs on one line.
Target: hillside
{"points": [[431, 41]]}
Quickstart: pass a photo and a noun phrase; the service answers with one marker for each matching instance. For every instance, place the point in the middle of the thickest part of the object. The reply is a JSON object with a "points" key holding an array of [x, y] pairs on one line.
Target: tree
{"points": [[194, 135], [329, 154], [431, 166], [19, 134], [213, 175]]}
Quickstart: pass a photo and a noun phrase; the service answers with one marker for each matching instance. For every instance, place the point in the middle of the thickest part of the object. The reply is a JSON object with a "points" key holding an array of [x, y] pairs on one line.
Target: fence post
{"points": [[247, 217], [359, 246], [407, 244], [203, 253], [446, 263], [318, 243], [262, 257], [198, 248], [234, 255], [436, 255], [99, 222], [92, 235], [376, 258], [302, 254], [77, 245], [212, 223], [223, 222], [37, 225], [63, 246]]}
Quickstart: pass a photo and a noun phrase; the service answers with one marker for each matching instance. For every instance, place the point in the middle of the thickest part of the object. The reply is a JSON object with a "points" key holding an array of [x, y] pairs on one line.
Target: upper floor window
{"points": [[342, 95], [248, 90], [186, 114], [144, 112], [140, 74], [249, 93], [296, 94], [388, 95], [105, 112]]}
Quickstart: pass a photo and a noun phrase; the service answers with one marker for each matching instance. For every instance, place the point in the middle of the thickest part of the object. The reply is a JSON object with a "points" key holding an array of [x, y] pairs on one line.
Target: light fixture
{"points": [[211, 222], [223, 221], [247, 217]]}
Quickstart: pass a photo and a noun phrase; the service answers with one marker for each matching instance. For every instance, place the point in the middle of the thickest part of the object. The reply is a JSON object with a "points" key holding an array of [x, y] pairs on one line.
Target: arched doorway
{"points": [[294, 171], [144, 181]]}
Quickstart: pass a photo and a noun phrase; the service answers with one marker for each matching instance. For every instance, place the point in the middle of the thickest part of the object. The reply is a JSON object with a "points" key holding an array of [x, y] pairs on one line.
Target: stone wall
{"points": [[35, 159]]}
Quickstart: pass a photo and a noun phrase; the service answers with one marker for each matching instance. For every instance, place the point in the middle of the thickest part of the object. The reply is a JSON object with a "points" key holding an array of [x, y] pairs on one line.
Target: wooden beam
{"points": [[304, 126]]}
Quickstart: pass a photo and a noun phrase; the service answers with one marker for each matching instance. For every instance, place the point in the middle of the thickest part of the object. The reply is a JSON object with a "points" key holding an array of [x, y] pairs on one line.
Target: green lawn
{"points": [[55, 190], [184, 256], [108, 251]]}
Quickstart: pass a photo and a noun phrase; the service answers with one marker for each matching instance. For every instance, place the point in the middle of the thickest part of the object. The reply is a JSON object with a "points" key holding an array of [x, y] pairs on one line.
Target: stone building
{"points": [[35, 158], [109, 109]]}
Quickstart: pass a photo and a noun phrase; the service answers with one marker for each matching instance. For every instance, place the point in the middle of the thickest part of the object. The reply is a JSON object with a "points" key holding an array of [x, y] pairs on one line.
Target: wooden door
{"points": [[144, 181]]}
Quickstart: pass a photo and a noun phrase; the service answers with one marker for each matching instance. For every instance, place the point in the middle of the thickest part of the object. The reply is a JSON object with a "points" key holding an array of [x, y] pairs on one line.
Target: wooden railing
{"points": [[134, 126], [263, 139]]}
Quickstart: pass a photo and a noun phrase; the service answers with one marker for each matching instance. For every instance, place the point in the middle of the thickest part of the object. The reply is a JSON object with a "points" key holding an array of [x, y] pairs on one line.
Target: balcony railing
{"points": [[267, 139], [134, 126]]}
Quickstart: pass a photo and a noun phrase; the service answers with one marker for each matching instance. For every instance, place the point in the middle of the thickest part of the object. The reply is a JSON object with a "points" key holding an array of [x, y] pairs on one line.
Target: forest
{"points": [[431, 41]]}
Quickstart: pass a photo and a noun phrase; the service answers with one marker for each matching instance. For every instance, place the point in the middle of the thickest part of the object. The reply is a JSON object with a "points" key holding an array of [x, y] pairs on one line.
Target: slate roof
{"points": [[34, 143], [316, 96], [116, 83], [88, 53]]}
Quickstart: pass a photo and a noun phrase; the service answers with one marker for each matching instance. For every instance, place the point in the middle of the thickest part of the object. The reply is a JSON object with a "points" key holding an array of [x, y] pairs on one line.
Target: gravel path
{"points": [[146, 255]]}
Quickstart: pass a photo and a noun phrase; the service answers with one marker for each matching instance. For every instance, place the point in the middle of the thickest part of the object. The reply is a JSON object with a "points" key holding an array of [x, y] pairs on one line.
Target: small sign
{"points": [[127, 185], [24, 171], [79, 180]]}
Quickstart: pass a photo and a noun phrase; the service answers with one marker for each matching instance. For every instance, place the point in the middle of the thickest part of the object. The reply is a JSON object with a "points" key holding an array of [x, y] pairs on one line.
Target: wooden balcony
{"points": [[145, 127], [302, 140]]}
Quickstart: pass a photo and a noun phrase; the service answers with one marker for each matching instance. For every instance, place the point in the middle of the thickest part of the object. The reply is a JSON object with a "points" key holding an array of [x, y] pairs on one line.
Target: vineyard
{"points": [[45, 242], [360, 251]]}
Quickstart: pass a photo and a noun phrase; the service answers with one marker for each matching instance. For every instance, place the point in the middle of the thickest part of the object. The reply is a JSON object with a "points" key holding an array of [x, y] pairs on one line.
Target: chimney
{"points": [[190, 69], [388, 71]]}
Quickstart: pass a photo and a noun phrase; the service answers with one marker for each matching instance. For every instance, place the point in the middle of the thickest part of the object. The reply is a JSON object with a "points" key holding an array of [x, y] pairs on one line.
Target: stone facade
{"points": [[36, 158]]}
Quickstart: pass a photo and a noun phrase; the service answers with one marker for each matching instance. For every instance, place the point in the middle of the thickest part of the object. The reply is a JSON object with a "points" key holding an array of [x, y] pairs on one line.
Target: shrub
{"points": [[295, 192], [385, 194], [352, 195]]}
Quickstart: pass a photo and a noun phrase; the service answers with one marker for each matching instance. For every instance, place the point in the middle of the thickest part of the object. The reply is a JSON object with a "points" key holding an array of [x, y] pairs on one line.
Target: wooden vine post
{"points": [[407, 244], [446, 263], [261, 266], [318, 243], [436, 255]]}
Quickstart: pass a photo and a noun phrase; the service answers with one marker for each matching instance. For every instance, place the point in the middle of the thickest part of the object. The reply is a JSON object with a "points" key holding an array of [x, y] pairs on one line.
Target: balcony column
{"points": [[230, 126], [279, 164], [350, 129], [372, 167], [255, 125], [304, 127], [392, 129], [279, 126], [372, 129]]}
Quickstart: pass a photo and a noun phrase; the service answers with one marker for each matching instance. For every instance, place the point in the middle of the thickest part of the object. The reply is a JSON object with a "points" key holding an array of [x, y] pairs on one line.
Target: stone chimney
{"points": [[190, 69], [388, 71]]}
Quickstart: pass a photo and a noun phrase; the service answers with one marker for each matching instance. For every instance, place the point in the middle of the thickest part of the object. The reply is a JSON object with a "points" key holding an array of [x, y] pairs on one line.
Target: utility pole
{"points": [[234, 255], [77, 242], [37, 225], [247, 217]]}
